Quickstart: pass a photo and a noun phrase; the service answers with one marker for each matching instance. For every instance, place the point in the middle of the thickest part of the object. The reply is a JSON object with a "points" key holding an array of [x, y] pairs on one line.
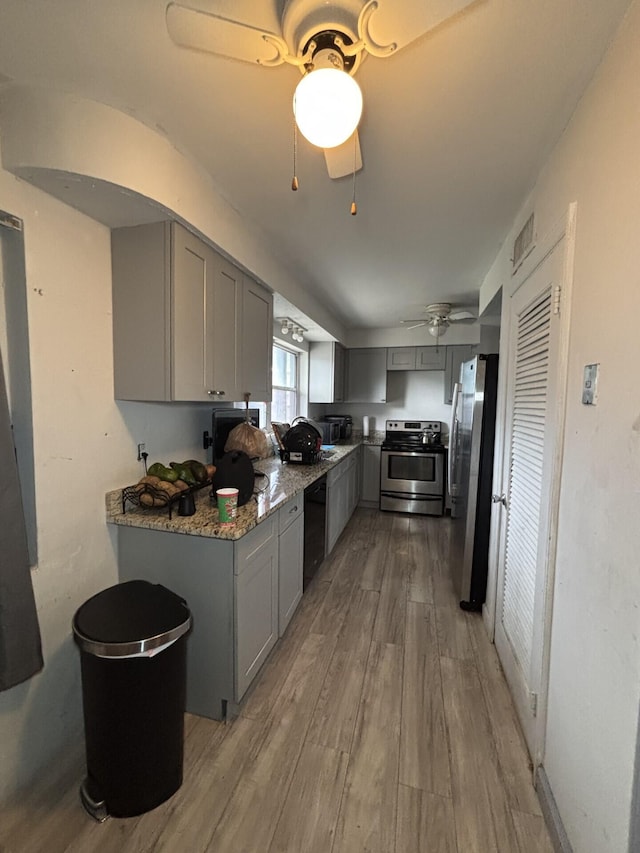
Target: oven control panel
{"points": [[414, 426]]}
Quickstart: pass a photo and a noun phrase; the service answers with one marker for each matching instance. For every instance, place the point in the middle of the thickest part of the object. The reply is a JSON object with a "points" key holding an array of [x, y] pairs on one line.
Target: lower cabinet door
{"points": [[370, 485], [256, 613], [290, 574]]}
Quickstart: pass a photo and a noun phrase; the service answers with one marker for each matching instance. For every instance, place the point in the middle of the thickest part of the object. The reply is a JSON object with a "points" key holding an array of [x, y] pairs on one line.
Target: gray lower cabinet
{"points": [[370, 489], [187, 324], [367, 375], [256, 602], [232, 591], [343, 493], [291, 558], [455, 356]]}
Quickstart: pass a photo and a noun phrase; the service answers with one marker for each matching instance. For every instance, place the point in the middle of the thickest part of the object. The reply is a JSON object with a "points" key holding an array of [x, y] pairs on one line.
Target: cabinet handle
{"points": [[216, 393], [294, 509]]}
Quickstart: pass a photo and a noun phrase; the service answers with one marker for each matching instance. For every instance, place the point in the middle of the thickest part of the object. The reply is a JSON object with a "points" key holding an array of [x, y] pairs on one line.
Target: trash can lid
{"points": [[130, 618]]}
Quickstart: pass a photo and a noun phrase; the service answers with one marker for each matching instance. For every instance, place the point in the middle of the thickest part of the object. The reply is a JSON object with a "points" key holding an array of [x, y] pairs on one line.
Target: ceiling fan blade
{"points": [[462, 315], [416, 323], [344, 159], [400, 22], [211, 33]]}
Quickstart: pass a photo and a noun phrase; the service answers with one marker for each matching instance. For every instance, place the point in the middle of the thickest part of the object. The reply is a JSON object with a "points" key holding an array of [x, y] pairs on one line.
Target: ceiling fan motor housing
{"points": [[325, 52], [304, 21]]}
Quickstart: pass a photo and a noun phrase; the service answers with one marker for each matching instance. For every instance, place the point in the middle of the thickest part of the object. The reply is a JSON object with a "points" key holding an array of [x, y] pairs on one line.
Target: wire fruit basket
{"points": [[148, 496]]}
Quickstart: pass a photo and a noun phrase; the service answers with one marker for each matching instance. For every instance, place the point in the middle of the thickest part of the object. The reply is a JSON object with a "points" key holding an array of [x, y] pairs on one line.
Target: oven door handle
{"points": [[453, 436]]}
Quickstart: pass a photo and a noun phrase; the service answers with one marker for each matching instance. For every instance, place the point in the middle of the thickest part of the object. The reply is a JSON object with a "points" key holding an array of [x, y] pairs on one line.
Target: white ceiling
{"points": [[454, 131]]}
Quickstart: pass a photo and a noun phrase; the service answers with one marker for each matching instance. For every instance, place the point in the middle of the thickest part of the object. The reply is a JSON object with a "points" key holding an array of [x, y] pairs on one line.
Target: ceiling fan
{"points": [[313, 35], [438, 317]]}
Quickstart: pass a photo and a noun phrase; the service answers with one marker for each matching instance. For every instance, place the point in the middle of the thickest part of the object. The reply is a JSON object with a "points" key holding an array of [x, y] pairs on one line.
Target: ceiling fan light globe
{"points": [[327, 106], [438, 329]]}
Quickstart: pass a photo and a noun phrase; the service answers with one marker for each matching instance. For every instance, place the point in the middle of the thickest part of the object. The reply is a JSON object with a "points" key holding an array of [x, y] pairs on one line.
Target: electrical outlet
{"points": [[141, 449]]}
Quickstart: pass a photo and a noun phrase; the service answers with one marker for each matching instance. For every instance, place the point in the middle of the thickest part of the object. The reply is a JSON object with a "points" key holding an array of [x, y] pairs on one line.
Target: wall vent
{"points": [[523, 243]]}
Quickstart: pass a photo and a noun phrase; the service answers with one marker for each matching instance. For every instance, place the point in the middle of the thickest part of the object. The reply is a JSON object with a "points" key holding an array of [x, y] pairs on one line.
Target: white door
{"points": [[535, 381]]}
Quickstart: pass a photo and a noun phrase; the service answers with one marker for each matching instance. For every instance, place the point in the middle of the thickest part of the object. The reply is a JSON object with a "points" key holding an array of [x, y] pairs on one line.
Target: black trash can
{"points": [[133, 641]]}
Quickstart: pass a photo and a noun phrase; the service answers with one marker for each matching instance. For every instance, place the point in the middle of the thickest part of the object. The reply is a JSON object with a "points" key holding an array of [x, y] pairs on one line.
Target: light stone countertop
{"points": [[283, 482]]}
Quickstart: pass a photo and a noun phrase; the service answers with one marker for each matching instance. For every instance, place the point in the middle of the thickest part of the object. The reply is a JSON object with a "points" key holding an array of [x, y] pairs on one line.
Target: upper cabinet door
{"points": [[431, 358], [367, 375], [206, 308], [192, 282], [455, 356], [326, 372], [401, 358], [338, 373], [140, 260], [256, 342], [223, 338]]}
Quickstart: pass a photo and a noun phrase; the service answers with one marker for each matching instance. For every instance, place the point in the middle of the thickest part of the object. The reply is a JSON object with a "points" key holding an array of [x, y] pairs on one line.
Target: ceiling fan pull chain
{"points": [[354, 206], [294, 181]]}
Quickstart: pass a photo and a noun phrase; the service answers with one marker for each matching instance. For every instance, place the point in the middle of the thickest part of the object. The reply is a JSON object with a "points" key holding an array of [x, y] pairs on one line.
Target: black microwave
{"points": [[222, 422]]}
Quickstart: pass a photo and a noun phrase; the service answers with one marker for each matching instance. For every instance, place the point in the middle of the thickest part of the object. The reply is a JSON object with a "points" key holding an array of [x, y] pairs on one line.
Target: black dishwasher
{"points": [[315, 511]]}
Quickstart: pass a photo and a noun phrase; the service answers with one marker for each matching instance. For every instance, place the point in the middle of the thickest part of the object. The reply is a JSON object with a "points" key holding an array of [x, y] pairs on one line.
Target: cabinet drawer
{"points": [[290, 511]]}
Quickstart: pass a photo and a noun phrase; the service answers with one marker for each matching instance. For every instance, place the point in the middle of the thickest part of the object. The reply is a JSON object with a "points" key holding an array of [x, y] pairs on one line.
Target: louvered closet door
{"points": [[527, 475]]}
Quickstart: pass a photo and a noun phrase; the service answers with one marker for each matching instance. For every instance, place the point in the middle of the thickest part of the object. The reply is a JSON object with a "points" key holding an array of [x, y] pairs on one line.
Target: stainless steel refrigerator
{"points": [[471, 443]]}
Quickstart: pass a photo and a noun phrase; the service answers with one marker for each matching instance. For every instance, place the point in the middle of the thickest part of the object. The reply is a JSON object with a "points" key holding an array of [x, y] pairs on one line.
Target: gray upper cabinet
{"points": [[326, 372], [455, 356], [416, 358], [431, 358], [141, 267], [206, 303], [256, 341], [367, 375], [187, 324], [401, 358]]}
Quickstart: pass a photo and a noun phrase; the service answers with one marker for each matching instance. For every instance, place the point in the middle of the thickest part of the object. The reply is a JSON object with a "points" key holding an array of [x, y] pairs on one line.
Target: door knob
{"points": [[499, 499]]}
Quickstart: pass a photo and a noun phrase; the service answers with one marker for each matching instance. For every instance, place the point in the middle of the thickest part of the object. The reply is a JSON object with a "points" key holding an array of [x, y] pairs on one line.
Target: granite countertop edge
{"points": [[283, 482]]}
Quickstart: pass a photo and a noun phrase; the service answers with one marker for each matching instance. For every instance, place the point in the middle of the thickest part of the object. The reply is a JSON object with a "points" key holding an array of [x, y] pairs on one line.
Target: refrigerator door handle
{"points": [[453, 435]]}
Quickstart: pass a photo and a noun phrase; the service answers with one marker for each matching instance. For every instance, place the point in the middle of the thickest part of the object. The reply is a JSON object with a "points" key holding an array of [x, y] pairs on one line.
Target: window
{"points": [[284, 401]]}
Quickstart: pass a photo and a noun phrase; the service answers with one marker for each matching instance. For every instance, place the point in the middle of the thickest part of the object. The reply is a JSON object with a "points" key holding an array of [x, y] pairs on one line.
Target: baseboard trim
{"points": [[559, 838]]}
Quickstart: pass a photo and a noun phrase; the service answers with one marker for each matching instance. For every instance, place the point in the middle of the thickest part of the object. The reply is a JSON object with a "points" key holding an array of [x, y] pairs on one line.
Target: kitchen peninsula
{"points": [[242, 583]]}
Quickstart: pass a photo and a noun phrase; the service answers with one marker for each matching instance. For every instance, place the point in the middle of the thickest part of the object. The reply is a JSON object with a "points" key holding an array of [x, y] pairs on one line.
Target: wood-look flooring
{"points": [[380, 724]]}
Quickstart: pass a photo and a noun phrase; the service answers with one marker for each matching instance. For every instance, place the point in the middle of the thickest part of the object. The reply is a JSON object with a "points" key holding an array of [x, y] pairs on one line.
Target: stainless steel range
{"points": [[412, 468]]}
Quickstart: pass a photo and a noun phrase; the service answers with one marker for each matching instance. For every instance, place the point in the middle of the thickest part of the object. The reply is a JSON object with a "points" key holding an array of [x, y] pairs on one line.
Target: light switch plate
{"points": [[590, 384]]}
